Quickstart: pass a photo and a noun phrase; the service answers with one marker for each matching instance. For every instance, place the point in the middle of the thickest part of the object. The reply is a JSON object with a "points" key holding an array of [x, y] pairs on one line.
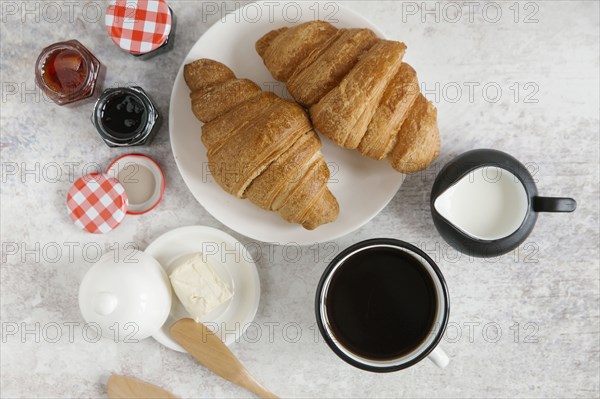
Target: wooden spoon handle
{"points": [[245, 380], [212, 353], [258, 389], [123, 387]]}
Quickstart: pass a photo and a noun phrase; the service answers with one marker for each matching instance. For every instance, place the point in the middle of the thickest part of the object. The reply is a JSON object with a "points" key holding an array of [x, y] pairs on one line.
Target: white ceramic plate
{"points": [[363, 187], [232, 262]]}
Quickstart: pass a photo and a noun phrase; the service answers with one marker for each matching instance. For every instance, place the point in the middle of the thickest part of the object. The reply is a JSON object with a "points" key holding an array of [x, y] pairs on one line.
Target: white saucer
{"points": [[238, 270]]}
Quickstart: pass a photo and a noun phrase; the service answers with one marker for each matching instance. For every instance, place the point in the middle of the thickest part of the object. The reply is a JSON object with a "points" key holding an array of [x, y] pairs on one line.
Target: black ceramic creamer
{"points": [[485, 203]]}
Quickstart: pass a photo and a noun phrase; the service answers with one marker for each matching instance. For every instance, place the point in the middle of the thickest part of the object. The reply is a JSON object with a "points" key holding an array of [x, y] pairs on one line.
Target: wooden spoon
{"points": [[212, 353], [122, 387]]}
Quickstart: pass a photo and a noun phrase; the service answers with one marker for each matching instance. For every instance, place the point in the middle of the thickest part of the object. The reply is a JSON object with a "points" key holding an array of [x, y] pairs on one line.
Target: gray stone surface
{"points": [[523, 325]]}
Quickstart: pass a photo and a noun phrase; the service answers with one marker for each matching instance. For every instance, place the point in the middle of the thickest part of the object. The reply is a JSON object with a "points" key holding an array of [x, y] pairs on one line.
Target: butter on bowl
{"points": [[203, 287], [231, 263]]}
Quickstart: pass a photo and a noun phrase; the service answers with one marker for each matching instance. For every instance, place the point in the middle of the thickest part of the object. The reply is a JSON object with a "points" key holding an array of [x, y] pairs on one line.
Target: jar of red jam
{"points": [[67, 72]]}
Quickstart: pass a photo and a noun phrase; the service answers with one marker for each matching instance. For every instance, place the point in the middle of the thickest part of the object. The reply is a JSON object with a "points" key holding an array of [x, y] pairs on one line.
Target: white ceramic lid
{"points": [[127, 294]]}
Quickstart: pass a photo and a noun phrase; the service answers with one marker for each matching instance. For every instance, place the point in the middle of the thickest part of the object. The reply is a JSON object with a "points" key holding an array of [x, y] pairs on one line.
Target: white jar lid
{"points": [[143, 181], [127, 294]]}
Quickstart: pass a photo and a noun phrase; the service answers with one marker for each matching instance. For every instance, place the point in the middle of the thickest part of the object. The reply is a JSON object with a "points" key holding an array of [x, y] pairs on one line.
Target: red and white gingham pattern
{"points": [[138, 26], [97, 203]]}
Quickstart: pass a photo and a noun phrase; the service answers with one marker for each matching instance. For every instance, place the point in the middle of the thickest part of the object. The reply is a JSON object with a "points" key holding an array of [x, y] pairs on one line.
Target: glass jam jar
{"points": [[125, 117], [67, 72], [142, 28]]}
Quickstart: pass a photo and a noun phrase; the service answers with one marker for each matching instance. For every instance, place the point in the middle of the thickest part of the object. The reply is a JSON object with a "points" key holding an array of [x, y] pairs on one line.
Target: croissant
{"points": [[260, 146], [358, 91]]}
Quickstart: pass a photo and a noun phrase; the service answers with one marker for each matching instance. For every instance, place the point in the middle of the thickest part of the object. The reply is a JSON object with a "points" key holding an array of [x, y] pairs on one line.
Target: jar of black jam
{"points": [[142, 28], [126, 116], [67, 72]]}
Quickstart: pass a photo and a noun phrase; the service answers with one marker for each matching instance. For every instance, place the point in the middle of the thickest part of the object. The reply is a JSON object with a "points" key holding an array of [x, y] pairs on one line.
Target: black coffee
{"points": [[381, 303]]}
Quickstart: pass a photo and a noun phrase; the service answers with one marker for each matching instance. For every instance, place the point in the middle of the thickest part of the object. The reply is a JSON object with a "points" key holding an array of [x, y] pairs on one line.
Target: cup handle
{"points": [[439, 357], [554, 204]]}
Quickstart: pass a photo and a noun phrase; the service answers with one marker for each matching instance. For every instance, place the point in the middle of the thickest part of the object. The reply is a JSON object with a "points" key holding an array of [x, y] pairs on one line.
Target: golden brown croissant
{"points": [[358, 91], [260, 146]]}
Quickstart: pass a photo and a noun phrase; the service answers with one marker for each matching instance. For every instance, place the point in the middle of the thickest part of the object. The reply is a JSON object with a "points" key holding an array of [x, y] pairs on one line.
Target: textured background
{"points": [[523, 325]]}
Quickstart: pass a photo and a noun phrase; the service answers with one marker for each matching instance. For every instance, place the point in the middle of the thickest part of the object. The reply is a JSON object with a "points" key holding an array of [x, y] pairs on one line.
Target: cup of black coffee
{"points": [[382, 305]]}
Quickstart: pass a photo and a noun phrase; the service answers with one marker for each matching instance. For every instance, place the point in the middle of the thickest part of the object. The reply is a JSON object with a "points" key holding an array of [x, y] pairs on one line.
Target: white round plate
{"points": [[362, 186], [232, 262]]}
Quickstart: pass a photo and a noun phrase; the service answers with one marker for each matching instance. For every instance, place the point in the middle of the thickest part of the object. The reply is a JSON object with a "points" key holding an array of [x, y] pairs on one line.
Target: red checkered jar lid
{"points": [[97, 203], [138, 26]]}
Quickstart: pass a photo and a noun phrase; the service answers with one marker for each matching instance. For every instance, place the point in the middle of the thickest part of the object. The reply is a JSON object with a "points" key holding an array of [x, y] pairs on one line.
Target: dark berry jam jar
{"points": [[126, 116], [67, 72]]}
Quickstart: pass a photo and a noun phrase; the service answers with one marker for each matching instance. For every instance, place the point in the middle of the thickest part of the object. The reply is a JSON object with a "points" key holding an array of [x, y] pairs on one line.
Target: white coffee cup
{"points": [[426, 348]]}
